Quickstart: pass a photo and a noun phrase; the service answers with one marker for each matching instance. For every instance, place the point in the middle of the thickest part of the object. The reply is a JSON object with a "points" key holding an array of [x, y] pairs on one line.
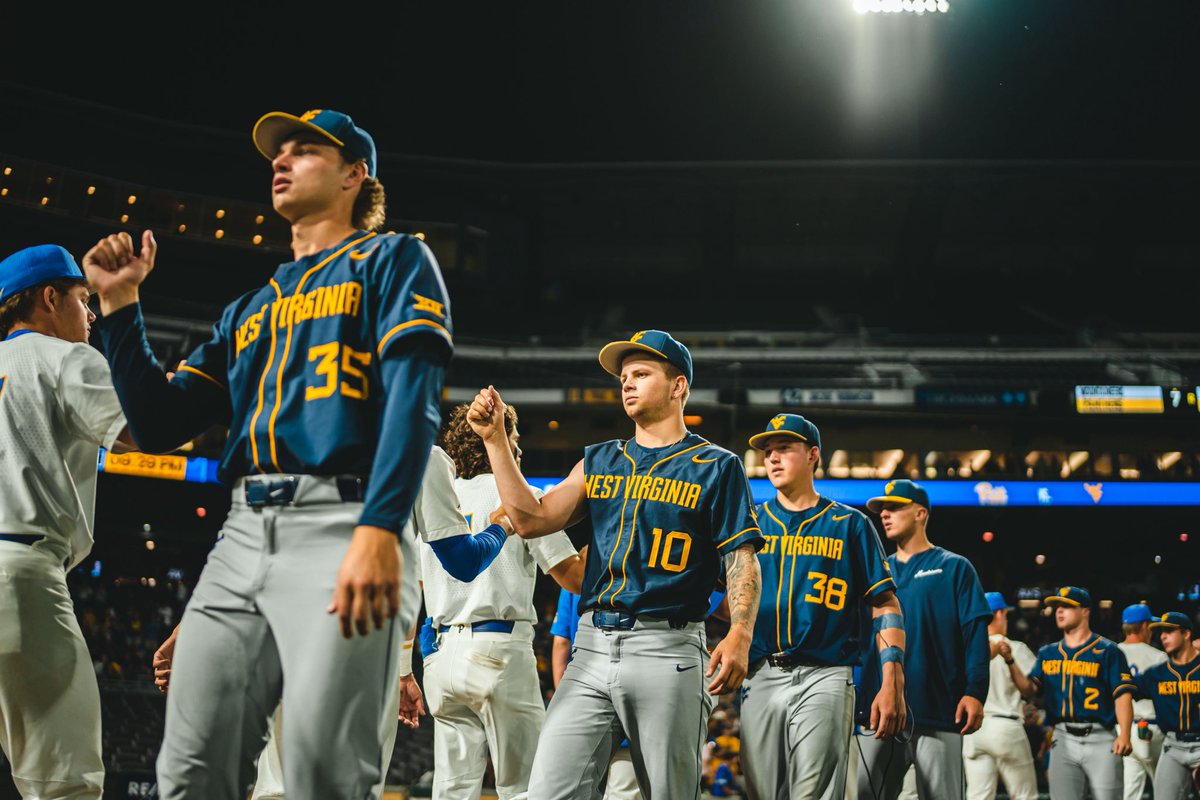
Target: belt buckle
{"points": [[277, 491], [612, 620], [778, 660]]}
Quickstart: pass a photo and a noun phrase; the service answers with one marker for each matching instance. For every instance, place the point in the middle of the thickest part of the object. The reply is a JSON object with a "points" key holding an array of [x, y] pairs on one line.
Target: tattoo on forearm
{"points": [[744, 579]]}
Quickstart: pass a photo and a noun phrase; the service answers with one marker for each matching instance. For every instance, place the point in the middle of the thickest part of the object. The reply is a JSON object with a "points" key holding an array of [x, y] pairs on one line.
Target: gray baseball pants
{"points": [[1080, 763], [256, 631], [1173, 776], [936, 756], [652, 680], [796, 727]]}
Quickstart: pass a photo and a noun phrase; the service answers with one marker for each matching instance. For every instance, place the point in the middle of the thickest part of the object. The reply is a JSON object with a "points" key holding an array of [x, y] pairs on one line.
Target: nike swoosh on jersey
{"points": [[699, 460], [684, 669], [839, 519], [357, 256]]}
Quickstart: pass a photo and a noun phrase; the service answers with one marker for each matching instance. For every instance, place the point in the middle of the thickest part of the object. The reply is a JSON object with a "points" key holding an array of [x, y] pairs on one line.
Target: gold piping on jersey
{"points": [[436, 326], [633, 523], [779, 589], [186, 368], [792, 576], [262, 382], [291, 321], [620, 532]]}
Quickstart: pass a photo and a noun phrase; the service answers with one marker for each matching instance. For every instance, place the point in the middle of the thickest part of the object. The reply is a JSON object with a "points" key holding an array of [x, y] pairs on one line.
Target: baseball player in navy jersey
{"points": [[1174, 688], [945, 662], [329, 379], [1000, 748], [481, 680], [1147, 738], [823, 570], [667, 507], [57, 408], [1087, 690]]}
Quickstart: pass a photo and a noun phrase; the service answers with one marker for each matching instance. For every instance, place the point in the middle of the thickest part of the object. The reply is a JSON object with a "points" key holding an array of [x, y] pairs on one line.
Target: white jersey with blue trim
{"points": [[503, 591], [57, 409]]}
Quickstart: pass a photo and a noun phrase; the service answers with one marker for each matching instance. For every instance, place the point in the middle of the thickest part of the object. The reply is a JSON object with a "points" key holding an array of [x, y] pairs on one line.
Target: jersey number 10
{"points": [[667, 550]]}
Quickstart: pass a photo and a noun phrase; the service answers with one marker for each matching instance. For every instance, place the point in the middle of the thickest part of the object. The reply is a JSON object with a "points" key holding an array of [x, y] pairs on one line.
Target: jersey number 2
{"points": [[1089, 698], [355, 380]]}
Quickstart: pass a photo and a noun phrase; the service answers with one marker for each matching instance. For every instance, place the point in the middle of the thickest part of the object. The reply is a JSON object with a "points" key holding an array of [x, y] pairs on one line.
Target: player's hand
{"points": [[367, 593], [888, 713], [1004, 649], [115, 271], [412, 702], [733, 656], [162, 661], [969, 714], [498, 517], [1122, 746], [486, 415]]}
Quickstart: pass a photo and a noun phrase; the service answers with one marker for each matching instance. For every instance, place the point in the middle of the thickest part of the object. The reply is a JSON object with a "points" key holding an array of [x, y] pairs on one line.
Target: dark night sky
{"points": [[804, 79]]}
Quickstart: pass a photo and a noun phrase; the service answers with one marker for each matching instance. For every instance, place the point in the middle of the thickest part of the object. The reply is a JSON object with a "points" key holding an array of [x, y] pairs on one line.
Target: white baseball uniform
{"points": [[1000, 746], [1144, 759], [57, 408], [435, 516], [481, 685]]}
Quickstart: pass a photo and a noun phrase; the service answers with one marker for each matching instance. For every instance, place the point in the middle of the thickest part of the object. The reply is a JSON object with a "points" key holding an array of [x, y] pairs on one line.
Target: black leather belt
{"points": [[1187, 737], [21, 538], [280, 490], [1005, 716], [621, 621], [1085, 730], [790, 661]]}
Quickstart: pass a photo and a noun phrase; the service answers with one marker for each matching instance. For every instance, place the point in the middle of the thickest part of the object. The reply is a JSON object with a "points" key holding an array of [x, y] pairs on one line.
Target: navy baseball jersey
{"points": [[1175, 691], [945, 621], [662, 518], [1081, 684], [818, 565], [300, 357]]}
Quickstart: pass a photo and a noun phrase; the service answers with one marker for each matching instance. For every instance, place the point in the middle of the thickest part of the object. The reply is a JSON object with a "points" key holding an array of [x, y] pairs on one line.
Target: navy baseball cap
{"points": [[996, 601], [900, 491], [788, 425], [271, 129], [1138, 612], [659, 343], [34, 265], [1074, 596], [1174, 619]]}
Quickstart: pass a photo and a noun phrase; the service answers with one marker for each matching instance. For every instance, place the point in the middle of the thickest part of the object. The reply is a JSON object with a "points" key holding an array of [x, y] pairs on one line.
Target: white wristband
{"points": [[406, 658]]}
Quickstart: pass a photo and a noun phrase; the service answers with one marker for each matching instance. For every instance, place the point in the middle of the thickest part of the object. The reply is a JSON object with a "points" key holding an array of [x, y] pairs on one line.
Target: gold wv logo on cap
{"points": [[307, 115], [777, 422]]}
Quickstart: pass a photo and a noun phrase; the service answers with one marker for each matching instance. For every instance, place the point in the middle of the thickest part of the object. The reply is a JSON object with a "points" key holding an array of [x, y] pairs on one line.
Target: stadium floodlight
{"points": [[901, 6]]}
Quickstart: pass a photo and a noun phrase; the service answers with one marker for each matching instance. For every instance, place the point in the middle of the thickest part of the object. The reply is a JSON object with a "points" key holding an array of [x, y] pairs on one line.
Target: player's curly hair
{"points": [[465, 447], [19, 307], [370, 206]]}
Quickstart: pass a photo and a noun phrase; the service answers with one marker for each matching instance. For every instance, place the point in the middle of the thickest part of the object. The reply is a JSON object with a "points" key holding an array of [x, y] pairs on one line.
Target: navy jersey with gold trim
{"points": [[819, 566], [1175, 691], [300, 357], [1081, 684], [662, 518]]}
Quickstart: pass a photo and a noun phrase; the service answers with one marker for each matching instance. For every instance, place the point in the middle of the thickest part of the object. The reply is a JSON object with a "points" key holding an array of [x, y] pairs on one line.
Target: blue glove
{"points": [[428, 638]]}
